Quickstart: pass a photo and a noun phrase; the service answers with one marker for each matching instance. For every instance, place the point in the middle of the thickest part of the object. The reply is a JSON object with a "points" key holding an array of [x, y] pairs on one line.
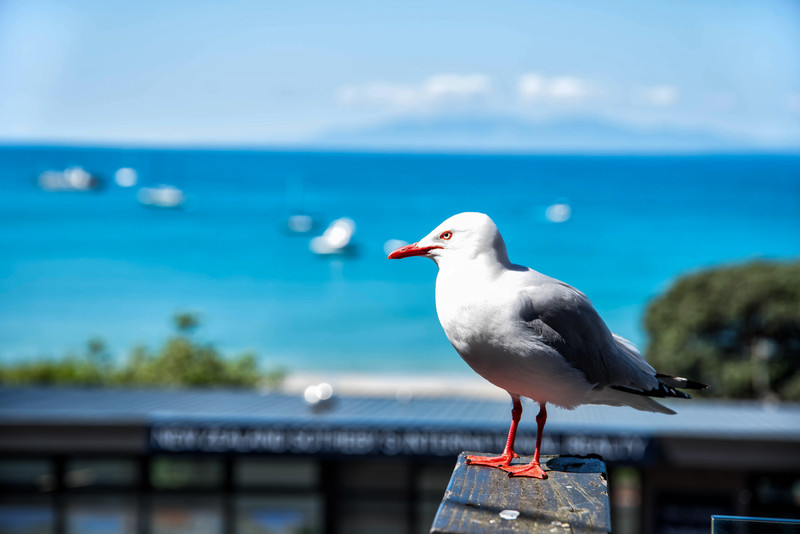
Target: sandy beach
{"points": [[396, 385]]}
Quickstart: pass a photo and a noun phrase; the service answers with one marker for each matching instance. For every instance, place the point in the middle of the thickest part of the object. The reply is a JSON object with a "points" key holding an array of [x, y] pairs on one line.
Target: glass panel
{"points": [[288, 472], [264, 515], [101, 472], [100, 515], [185, 514], [177, 473], [26, 472], [753, 525], [32, 514]]}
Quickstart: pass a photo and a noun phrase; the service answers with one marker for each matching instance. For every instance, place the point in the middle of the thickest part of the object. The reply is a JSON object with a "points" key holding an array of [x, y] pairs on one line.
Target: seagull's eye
{"points": [[445, 235]]}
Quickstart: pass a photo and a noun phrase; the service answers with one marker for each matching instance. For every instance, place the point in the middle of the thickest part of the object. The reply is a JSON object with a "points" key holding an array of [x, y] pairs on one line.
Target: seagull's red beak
{"points": [[410, 250]]}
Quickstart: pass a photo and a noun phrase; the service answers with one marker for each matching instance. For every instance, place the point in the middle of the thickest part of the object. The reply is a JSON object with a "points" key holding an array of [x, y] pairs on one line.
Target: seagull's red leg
{"points": [[508, 453], [533, 469]]}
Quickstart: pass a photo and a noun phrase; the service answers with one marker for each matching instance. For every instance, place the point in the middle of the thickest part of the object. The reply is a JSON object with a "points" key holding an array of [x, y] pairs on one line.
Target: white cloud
{"points": [[661, 96], [377, 93], [535, 93], [558, 88], [568, 88], [457, 85], [436, 89], [531, 86]]}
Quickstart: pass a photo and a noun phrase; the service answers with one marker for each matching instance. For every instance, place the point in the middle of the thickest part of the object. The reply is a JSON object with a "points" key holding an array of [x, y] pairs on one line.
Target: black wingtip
{"points": [[663, 391], [668, 387], [680, 382]]}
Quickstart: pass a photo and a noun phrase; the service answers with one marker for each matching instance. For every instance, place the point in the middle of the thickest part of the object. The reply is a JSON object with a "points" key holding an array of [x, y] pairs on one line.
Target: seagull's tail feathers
{"points": [[642, 399], [615, 396], [666, 387], [647, 383]]}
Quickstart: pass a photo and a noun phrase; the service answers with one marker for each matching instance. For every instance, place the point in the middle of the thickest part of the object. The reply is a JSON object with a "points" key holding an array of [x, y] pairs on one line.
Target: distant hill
{"points": [[509, 133]]}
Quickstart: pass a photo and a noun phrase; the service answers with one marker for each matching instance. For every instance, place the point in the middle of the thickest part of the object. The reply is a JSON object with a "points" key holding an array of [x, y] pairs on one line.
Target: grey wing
{"points": [[563, 318]]}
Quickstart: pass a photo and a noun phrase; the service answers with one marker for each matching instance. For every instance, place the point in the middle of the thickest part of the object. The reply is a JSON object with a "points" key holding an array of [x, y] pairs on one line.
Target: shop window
{"points": [[186, 514], [265, 515], [27, 473], [276, 472], [100, 514], [26, 514], [80, 473], [174, 473]]}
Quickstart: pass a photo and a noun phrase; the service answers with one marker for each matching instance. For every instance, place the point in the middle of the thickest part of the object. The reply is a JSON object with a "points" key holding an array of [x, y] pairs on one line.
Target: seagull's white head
{"points": [[462, 237]]}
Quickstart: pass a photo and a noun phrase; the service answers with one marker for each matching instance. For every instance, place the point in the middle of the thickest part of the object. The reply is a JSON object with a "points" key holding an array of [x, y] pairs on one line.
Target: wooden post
{"points": [[573, 499]]}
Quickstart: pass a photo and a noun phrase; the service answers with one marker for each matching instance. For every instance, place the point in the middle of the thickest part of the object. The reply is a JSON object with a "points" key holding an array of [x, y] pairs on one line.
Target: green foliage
{"points": [[186, 322], [180, 362], [736, 328]]}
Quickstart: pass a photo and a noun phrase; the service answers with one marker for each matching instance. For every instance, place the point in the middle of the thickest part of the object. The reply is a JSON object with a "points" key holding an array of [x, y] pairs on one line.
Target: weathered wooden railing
{"points": [[573, 499]]}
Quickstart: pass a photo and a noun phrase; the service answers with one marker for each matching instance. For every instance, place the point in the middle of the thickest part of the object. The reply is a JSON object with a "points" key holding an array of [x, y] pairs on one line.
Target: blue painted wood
{"points": [[573, 499]]}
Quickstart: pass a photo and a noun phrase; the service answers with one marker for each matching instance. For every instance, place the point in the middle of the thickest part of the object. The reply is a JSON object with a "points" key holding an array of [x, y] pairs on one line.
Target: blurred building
{"points": [[180, 462]]}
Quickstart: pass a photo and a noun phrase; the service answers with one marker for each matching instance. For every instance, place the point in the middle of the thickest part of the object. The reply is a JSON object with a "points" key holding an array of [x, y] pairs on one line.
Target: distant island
{"points": [[507, 133]]}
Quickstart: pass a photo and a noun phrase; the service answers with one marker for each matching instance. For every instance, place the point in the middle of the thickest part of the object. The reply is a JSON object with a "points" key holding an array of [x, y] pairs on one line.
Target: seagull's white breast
{"points": [[481, 315]]}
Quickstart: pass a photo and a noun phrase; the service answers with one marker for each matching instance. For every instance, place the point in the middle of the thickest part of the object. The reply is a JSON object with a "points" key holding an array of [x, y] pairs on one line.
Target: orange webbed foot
{"points": [[531, 470], [503, 460]]}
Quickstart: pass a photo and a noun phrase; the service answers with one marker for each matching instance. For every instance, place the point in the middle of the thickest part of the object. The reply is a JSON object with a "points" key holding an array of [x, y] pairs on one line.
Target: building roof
{"points": [[695, 418]]}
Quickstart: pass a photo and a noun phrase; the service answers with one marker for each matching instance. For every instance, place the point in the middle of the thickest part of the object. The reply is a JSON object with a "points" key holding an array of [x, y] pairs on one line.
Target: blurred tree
{"points": [[92, 368], [186, 322], [180, 362], [736, 328]]}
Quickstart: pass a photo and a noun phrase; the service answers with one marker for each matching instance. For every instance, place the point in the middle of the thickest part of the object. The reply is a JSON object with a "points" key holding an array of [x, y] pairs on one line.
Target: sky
{"points": [[160, 72]]}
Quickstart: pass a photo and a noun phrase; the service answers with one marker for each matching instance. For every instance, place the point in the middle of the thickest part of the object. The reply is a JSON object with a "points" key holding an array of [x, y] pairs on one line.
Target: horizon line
{"points": [[310, 148]]}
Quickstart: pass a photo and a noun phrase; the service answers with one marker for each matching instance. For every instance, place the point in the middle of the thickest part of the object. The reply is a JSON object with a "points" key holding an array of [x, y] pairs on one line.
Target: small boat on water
{"points": [[300, 223], [126, 177], [70, 179], [559, 212], [161, 196], [336, 239]]}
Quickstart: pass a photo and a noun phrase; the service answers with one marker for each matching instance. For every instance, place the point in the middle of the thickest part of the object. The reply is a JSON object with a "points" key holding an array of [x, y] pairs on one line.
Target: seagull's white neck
{"points": [[499, 252], [467, 281]]}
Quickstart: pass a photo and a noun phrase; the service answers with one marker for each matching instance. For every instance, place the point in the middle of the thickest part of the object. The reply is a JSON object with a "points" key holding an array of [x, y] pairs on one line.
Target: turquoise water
{"points": [[78, 265]]}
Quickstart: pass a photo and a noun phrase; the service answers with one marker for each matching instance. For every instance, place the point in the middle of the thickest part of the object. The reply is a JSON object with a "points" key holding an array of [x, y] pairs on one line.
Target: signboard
{"points": [[349, 441]]}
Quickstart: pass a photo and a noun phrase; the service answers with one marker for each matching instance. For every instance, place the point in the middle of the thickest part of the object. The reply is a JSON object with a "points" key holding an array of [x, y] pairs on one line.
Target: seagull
{"points": [[531, 335]]}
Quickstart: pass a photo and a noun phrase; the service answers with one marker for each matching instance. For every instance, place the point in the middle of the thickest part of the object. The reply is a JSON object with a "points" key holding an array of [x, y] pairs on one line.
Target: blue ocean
{"points": [[78, 265]]}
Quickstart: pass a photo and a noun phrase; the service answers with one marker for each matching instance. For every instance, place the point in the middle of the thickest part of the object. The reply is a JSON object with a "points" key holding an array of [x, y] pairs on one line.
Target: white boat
{"points": [[558, 212], [300, 223], [161, 196], [126, 177], [336, 239], [70, 179]]}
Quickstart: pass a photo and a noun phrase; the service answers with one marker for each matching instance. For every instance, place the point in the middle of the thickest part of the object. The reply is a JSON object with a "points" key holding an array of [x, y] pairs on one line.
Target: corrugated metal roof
{"points": [[716, 419]]}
